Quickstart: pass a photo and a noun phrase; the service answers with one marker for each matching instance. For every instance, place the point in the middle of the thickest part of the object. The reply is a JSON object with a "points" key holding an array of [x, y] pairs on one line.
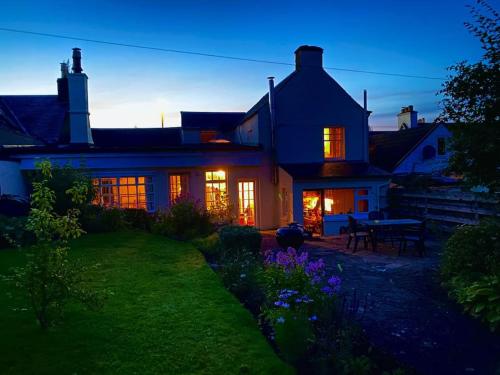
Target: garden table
{"points": [[375, 226]]}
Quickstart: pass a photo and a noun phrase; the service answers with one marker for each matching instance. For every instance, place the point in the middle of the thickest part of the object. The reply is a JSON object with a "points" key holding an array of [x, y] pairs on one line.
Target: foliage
{"points": [[185, 220], [13, 232], [472, 251], [222, 213], [49, 278], [481, 299], [64, 178], [138, 218], [236, 238], [471, 99], [168, 314], [98, 219], [210, 246]]}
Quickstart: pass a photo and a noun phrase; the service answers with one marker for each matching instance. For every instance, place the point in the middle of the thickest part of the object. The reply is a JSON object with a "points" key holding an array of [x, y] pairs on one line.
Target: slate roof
{"points": [[136, 137], [389, 148], [39, 116], [222, 121], [329, 170]]}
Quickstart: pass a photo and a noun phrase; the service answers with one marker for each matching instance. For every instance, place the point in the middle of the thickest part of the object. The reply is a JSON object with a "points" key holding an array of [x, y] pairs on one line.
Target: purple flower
{"points": [[313, 318], [335, 283]]}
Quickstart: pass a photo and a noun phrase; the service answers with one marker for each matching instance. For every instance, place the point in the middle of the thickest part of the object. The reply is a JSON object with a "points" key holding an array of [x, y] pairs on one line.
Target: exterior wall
{"points": [[11, 179], [248, 132], [332, 223], [285, 195], [190, 136], [415, 163], [307, 103]]}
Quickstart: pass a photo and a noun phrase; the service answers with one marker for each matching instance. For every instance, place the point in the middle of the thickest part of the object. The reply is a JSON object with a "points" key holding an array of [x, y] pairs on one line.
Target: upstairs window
{"points": [[178, 184], [441, 146], [124, 192], [206, 136], [334, 143], [215, 190]]}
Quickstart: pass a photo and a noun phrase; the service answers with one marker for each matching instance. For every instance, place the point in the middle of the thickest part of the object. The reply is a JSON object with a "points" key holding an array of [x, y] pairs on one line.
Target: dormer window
{"points": [[334, 143], [207, 136]]}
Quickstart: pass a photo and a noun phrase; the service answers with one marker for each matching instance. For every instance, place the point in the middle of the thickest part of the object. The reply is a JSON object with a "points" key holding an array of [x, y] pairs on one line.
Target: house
{"points": [[299, 154], [416, 147]]}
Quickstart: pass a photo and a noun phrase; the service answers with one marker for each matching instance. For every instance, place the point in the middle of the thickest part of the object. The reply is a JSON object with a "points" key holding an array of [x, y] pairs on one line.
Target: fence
{"points": [[445, 207]]}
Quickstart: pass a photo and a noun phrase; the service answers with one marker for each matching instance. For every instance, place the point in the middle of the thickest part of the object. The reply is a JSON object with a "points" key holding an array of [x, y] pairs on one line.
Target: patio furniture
{"points": [[378, 227], [415, 235], [356, 232], [291, 236], [375, 215]]}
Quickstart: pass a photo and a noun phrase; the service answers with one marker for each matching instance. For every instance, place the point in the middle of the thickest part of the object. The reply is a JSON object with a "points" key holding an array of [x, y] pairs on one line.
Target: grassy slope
{"points": [[169, 314]]}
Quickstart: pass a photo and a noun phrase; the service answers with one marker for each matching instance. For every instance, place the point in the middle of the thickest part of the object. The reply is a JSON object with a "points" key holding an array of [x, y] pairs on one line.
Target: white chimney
{"points": [[308, 57], [407, 118], [78, 103]]}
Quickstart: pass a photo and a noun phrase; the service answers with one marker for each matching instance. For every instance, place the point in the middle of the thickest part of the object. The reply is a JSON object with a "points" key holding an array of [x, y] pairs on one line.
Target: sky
{"points": [[133, 87]]}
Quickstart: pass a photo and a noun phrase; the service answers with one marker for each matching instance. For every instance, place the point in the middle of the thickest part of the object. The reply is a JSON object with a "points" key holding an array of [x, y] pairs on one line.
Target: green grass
{"points": [[168, 314]]}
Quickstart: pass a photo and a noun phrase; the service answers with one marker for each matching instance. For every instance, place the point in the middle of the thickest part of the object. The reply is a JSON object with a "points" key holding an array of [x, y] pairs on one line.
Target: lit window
{"points": [[246, 202], [215, 189], [207, 136], [441, 146], [178, 186], [339, 201], [334, 143], [124, 192]]}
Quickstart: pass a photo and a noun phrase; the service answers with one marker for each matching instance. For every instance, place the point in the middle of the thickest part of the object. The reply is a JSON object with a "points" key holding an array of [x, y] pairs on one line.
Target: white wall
{"points": [[415, 163], [11, 179], [248, 132]]}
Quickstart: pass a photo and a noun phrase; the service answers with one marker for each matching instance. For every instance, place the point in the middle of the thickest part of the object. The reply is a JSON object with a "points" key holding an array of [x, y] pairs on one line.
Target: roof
{"points": [[389, 148], [223, 121], [136, 137], [39, 116], [329, 170], [11, 138]]}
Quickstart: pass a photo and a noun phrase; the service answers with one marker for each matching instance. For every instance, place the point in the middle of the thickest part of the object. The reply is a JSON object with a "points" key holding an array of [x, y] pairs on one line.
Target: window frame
{"points": [[183, 177], [255, 188], [330, 138], [213, 182]]}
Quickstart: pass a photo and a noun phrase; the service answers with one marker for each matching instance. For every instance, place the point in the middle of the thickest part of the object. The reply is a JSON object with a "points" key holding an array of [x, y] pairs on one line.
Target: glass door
{"points": [[246, 202], [313, 211]]}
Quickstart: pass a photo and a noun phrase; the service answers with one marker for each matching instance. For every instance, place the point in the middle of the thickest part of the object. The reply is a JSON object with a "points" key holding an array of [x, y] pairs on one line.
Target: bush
{"points": [[209, 246], [138, 218], [240, 239], [185, 220], [97, 219], [13, 232], [12, 205], [472, 252]]}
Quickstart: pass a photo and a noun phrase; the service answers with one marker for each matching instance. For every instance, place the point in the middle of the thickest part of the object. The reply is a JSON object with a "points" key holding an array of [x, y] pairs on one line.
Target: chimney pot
{"points": [[77, 60], [308, 57]]}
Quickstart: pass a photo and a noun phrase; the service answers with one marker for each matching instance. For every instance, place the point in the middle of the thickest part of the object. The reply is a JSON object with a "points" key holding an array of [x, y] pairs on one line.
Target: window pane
{"points": [[363, 205], [334, 143], [124, 192], [339, 201]]}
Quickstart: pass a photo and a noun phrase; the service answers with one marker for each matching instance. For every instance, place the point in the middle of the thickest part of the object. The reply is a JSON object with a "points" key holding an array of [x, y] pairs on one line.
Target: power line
{"points": [[185, 52]]}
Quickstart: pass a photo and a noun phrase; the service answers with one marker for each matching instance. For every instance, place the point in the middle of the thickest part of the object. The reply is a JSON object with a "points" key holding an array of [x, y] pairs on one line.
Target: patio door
{"points": [[246, 202], [312, 206]]}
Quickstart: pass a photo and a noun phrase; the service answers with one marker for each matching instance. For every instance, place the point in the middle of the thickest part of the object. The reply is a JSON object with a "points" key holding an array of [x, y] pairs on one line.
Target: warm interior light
{"points": [[329, 204]]}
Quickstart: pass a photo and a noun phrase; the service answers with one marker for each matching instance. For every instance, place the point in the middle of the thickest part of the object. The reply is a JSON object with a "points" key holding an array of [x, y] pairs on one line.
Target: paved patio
{"points": [[407, 312]]}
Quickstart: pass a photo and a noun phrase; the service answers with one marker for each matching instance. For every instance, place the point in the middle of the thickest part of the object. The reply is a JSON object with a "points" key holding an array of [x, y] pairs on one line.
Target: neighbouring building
{"points": [[417, 147], [299, 154]]}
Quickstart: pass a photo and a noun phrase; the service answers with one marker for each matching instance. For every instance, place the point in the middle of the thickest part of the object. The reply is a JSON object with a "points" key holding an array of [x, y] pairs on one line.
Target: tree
{"points": [[50, 278], [471, 100]]}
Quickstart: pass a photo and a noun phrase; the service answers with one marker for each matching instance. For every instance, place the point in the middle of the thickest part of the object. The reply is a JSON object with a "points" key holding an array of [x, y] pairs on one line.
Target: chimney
{"points": [[62, 84], [79, 123], [308, 57], [407, 118]]}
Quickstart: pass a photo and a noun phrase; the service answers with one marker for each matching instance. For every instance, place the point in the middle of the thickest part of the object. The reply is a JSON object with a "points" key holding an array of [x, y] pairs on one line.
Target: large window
{"points": [[334, 143], [125, 192], [215, 189], [178, 186], [246, 202], [206, 136], [345, 201]]}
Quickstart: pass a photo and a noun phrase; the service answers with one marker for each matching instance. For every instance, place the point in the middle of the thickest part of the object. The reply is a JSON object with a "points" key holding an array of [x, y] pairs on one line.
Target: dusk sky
{"points": [[132, 87]]}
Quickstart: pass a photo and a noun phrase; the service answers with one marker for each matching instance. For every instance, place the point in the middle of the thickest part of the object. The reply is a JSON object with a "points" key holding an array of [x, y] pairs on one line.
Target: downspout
{"points": [[365, 127], [272, 113]]}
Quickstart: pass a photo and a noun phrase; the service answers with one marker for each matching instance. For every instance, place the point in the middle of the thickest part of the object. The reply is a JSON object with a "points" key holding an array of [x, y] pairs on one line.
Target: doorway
{"points": [[246, 202], [312, 206]]}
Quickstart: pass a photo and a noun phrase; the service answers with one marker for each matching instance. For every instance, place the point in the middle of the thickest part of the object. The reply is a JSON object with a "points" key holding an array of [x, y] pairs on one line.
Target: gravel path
{"points": [[409, 315]]}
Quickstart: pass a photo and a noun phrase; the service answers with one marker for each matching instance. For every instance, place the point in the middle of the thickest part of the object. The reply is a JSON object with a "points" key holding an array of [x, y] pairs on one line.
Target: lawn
{"points": [[167, 313]]}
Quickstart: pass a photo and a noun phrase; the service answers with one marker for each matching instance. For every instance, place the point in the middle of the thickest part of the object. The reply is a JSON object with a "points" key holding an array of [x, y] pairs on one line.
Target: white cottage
{"points": [[300, 154]]}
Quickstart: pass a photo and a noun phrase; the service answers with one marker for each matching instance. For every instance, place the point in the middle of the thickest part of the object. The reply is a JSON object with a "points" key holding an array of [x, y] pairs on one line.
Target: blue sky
{"points": [[130, 87]]}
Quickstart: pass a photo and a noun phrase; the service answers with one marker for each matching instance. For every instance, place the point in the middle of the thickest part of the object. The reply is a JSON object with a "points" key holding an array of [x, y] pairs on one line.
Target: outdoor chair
{"points": [[356, 232], [414, 235]]}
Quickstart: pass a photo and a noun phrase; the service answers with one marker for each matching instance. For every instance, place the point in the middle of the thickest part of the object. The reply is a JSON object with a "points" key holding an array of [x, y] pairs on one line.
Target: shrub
{"points": [[239, 238], [185, 220], [12, 205], [209, 246], [481, 299], [97, 219], [13, 232], [472, 252], [138, 218]]}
